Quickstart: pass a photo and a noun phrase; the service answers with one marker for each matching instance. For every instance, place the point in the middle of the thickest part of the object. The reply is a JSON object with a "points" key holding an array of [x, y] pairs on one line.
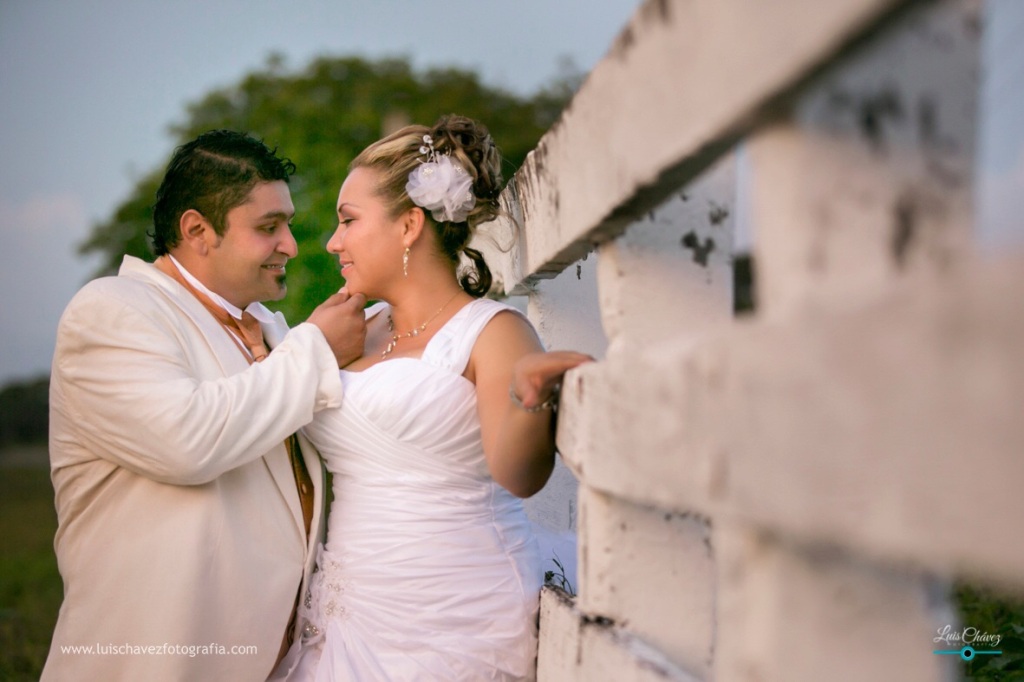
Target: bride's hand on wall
{"points": [[536, 376]]}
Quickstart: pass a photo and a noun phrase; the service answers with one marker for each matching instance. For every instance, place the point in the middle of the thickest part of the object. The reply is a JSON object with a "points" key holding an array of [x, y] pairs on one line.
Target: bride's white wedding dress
{"points": [[430, 570]]}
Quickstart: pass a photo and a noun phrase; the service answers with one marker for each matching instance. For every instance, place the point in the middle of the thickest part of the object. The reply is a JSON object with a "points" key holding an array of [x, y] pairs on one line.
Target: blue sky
{"points": [[89, 88]]}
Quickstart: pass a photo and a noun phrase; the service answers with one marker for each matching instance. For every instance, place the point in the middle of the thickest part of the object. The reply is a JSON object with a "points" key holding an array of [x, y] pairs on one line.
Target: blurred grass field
{"points": [[30, 586]]}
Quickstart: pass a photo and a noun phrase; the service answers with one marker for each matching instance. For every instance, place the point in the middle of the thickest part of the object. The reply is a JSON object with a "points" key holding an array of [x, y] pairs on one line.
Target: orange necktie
{"points": [[251, 332]]}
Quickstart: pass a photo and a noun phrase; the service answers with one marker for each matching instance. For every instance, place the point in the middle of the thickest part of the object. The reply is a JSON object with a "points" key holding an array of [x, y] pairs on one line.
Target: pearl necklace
{"points": [[409, 334]]}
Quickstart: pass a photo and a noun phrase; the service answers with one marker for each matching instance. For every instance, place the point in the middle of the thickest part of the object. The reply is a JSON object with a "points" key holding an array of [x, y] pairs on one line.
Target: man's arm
{"points": [[129, 384]]}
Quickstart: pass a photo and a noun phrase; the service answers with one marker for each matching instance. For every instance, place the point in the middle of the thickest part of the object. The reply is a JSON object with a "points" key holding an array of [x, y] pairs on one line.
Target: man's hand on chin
{"points": [[343, 323]]}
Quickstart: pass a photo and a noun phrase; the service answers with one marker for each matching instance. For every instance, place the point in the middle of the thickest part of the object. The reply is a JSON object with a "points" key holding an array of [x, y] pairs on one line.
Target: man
{"points": [[187, 509]]}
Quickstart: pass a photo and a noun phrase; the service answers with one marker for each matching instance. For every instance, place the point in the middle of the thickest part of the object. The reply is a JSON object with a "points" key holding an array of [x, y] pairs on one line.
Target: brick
{"points": [[576, 648], [670, 275], [650, 572], [870, 177], [794, 614]]}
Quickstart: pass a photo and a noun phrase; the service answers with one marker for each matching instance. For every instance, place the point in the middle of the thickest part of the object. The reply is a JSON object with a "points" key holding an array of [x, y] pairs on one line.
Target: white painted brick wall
{"points": [[785, 496]]}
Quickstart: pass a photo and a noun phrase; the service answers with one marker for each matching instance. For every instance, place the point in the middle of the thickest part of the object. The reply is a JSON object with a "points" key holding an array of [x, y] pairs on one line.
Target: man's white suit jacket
{"points": [[180, 530]]}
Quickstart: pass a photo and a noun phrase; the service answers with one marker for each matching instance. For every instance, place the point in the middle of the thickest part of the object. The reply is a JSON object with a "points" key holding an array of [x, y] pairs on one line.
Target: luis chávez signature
{"points": [[969, 637]]}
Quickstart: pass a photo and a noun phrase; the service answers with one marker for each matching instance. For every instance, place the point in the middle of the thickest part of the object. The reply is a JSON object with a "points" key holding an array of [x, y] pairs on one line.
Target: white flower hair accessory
{"points": [[441, 186]]}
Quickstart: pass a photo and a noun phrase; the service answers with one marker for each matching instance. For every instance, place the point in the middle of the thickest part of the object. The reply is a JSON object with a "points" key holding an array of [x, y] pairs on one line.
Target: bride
{"points": [[430, 571]]}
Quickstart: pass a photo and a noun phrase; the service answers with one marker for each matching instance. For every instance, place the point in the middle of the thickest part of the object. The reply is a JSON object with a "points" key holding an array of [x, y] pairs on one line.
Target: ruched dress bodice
{"points": [[430, 569]]}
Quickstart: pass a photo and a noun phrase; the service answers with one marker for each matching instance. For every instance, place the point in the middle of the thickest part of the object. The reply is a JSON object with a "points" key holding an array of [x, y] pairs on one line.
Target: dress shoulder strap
{"points": [[453, 344]]}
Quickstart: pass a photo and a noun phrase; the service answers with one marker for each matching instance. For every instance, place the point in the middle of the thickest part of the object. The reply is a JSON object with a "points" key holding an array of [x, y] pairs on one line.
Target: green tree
{"points": [[321, 117]]}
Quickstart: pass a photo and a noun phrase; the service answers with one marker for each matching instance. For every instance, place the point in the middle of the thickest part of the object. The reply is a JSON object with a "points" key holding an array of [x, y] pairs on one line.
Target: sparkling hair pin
{"points": [[427, 149]]}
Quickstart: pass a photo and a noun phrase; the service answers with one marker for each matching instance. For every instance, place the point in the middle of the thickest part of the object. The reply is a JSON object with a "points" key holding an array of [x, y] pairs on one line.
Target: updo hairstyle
{"points": [[470, 145]]}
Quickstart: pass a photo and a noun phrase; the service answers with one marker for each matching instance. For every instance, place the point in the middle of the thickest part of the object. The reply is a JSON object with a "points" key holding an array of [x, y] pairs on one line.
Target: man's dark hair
{"points": [[212, 174]]}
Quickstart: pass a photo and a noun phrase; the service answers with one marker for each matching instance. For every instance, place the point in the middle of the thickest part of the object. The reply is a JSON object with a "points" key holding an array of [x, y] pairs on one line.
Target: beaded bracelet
{"points": [[550, 404]]}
